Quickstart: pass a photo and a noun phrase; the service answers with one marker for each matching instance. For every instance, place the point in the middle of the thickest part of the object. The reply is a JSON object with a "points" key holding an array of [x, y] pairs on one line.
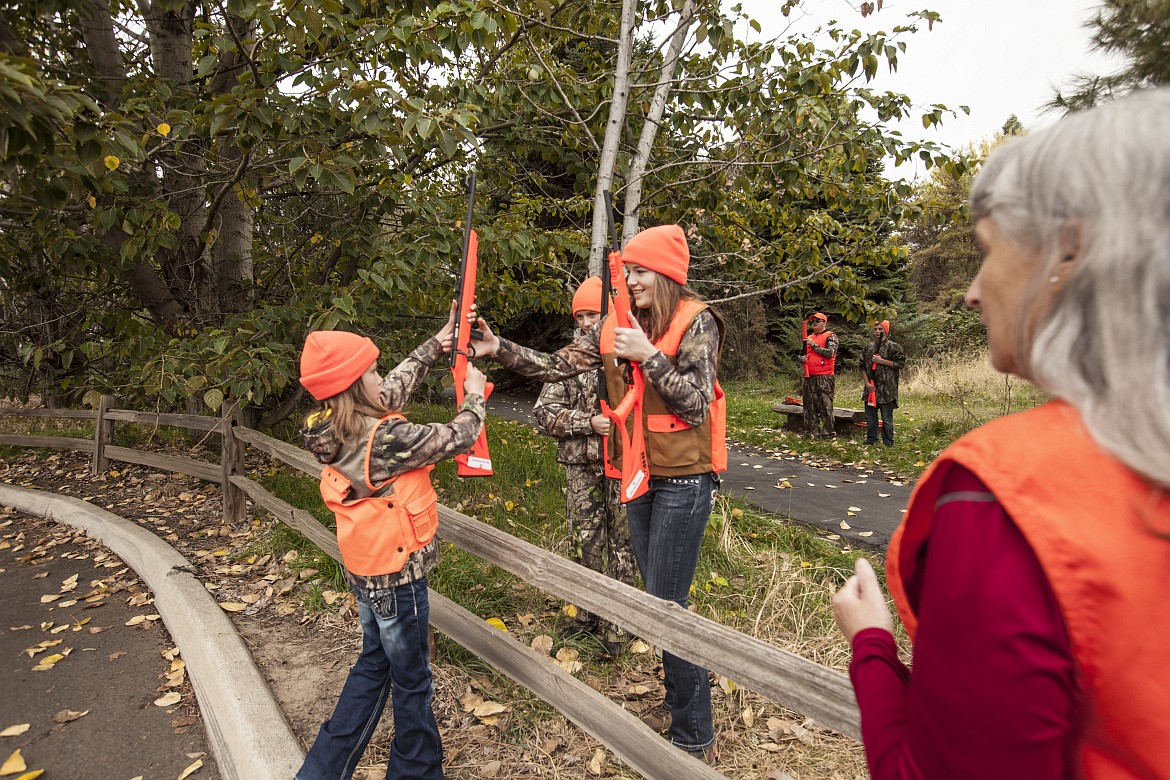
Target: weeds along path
{"points": [[861, 504]]}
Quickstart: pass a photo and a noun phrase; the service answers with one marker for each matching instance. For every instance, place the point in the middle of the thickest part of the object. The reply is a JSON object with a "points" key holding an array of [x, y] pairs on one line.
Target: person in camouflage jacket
{"points": [[568, 411], [819, 355], [376, 481], [880, 366]]}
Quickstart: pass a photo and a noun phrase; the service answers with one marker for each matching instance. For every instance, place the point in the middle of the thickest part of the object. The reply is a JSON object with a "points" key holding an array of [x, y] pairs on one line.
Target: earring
{"points": [[1053, 279]]}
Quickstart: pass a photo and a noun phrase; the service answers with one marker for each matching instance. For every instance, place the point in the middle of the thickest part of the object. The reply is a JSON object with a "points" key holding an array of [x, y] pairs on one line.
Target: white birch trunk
{"points": [[613, 135]]}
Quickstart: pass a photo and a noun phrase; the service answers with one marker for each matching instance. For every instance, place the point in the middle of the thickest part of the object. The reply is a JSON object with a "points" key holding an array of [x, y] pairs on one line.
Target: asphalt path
{"points": [[860, 504], [91, 713]]}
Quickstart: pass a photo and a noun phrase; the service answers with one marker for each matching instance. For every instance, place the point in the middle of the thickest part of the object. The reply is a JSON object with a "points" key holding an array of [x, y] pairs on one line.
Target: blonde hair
{"points": [[348, 411], [1103, 346]]}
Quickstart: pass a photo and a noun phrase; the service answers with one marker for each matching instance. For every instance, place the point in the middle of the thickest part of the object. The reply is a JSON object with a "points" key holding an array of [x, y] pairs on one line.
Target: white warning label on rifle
{"points": [[479, 463], [635, 483]]}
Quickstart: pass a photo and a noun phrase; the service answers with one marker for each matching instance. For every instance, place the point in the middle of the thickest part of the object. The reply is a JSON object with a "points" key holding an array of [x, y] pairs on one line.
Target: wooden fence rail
{"points": [[796, 683]]}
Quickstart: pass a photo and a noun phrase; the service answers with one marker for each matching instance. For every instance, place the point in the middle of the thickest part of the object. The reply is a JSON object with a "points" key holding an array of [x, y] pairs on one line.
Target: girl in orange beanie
{"points": [[377, 481], [676, 340]]}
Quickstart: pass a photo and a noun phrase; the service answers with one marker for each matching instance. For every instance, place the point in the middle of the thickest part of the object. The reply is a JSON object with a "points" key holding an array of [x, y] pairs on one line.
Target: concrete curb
{"points": [[249, 735]]}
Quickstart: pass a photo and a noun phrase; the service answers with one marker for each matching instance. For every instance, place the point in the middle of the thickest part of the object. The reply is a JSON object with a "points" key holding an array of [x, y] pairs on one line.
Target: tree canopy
{"points": [[189, 188]]}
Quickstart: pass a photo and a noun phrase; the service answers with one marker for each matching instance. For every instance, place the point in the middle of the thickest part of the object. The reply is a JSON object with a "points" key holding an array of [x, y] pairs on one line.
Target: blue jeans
{"points": [[871, 423], [395, 655], [666, 529]]}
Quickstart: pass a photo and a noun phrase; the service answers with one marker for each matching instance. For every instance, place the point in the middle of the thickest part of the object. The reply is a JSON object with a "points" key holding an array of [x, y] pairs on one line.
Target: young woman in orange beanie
{"points": [[376, 480], [676, 340]]}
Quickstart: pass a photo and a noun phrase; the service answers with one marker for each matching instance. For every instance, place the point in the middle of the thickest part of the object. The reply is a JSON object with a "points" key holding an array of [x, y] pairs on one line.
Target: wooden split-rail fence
{"points": [[800, 685]]}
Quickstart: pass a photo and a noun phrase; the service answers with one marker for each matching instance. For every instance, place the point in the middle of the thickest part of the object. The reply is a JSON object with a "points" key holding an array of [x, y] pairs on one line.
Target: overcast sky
{"points": [[999, 57]]}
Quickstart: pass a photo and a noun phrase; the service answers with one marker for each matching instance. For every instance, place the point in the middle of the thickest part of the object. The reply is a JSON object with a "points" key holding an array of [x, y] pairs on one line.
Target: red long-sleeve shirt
{"points": [[992, 694]]}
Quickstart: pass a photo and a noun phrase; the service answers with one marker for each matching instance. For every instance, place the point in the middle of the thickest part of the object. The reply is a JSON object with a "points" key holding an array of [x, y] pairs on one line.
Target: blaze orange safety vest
{"points": [[377, 533], [1102, 535], [674, 448], [818, 365]]}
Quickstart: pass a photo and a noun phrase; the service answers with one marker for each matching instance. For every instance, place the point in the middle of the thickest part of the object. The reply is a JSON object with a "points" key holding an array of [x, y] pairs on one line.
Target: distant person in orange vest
{"points": [[881, 363], [1031, 567], [820, 358], [377, 481], [676, 340], [599, 536]]}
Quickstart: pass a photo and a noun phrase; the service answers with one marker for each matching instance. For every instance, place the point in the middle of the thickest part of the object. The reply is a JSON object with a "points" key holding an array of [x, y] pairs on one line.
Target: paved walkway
{"points": [[860, 504]]}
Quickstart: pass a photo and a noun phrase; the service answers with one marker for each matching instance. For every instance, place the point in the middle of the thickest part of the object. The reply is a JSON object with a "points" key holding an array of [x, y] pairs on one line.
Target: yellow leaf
{"points": [[33, 775], [845, 526], [596, 765], [191, 769], [784, 485], [50, 597], [14, 731], [854, 509], [920, 463], [164, 130], [232, 606], [135, 620], [865, 533], [509, 506], [13, 765], [569, 610], [542, 644], [497, 623], [165, 701], [112, 162], [749, 717], [92, 201], [638, 647]]}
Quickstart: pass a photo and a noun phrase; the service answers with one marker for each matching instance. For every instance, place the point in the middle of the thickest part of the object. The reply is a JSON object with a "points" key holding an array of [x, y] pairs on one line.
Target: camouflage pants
{"points": [[818, 405], [599, 535]]}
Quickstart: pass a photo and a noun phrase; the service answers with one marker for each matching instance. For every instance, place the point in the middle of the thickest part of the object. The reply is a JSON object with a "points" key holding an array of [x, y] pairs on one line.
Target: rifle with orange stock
{"points": [[635, 467], [477, 461]]}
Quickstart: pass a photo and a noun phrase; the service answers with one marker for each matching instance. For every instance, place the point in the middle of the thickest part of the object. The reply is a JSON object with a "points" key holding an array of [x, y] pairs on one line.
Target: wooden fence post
{"points": [[103, 434], [231, 460]]}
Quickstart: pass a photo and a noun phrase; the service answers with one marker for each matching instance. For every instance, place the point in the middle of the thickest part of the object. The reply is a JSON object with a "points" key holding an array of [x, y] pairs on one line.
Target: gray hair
{"points": [[1104, 346]]}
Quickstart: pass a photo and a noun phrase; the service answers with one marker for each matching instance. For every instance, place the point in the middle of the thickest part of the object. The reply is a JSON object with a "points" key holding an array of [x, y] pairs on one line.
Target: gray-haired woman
{"points": [[1032, 567]]}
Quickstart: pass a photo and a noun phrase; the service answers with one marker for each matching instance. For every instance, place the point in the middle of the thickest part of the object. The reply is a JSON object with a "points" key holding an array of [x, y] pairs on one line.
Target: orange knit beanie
{"points": [[662, 249], [332, 360], [588, 296]]}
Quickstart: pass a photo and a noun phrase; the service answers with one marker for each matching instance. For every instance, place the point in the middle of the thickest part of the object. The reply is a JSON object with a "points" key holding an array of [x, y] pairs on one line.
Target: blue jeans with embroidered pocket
{"points": [[666, 530], [394, 663]]}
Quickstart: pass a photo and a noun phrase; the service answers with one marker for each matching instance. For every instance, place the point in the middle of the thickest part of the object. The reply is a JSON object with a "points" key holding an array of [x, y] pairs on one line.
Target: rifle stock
{"points": [[477, 461]]}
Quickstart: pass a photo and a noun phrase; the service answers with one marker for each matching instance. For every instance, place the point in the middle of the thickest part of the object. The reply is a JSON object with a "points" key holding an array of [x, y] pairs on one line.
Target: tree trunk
{"points": [[613, 136], [634, 179]]}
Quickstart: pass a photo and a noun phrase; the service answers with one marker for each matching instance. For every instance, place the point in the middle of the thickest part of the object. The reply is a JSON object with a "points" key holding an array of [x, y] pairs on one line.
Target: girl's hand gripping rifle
{"points": [[477, 461], [627, 418]]}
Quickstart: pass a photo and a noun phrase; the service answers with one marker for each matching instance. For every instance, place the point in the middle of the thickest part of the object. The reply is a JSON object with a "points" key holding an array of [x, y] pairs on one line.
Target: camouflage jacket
{"points": [[687, 386], [564, 411], [885, 378], [399, 446]]}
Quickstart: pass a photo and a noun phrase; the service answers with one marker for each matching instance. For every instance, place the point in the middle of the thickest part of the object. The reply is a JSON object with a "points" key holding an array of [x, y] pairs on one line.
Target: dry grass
{"points": [[968, 382]]}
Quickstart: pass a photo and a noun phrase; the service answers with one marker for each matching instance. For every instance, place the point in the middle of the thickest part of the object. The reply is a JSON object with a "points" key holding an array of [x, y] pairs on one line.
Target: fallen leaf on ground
{"points": [[749, 717], [67, 716], [596, 765], [165, 701], [865, 533], [638, 647], [14, 763], [50, 597], [15, 731], [570, 610], [232, 606], [542, 644], [191, 769], [845, 526], [33, 775], [136, 620], [117, 655], [488, 708], [490, 769], [497, 623]]}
